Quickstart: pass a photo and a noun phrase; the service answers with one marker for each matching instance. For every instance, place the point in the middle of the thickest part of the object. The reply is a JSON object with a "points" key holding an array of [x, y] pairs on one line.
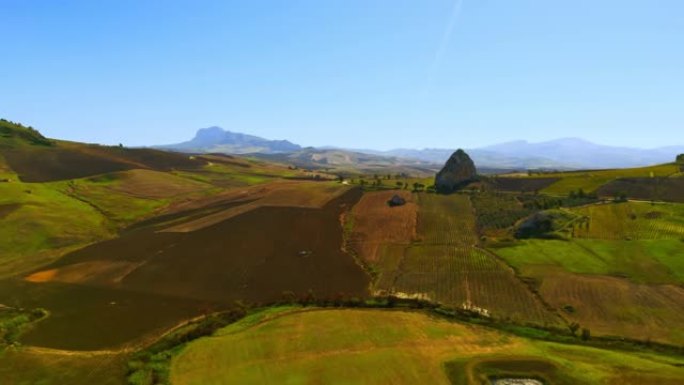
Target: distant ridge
{"points": [[565, 153], [216, 139], [559, 154]]}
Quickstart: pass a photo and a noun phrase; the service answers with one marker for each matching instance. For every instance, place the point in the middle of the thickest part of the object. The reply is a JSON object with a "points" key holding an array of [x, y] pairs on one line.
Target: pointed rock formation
{"points": [[456, 173]]}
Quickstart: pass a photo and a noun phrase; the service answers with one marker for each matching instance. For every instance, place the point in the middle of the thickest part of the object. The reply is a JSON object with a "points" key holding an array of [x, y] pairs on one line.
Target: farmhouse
{"points": [[396, 201]]}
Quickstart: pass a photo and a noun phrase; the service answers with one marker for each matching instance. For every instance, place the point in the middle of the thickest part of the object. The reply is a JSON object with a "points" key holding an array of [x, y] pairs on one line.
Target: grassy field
{"points": [[30, 366], [128, 196], [629, 288], [47, 220], [40, 223], [646, 261], [397, 347], [617, 307]]}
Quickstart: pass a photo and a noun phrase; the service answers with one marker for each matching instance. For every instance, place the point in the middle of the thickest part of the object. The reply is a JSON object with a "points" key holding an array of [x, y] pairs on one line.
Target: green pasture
{"points": [[397, 347], [642, 261]]}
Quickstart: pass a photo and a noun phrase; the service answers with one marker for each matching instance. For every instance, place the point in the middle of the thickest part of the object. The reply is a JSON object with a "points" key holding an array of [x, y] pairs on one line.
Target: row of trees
{"points": [[416, 186]]}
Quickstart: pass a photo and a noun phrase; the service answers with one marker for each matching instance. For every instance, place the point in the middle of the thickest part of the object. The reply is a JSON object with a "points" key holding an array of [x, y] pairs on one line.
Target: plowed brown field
{"points": [[376, 224]]}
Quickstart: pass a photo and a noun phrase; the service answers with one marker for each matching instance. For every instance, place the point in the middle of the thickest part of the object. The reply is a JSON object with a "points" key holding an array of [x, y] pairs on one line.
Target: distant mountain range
{"points": [[567, 153], [217, 140]]}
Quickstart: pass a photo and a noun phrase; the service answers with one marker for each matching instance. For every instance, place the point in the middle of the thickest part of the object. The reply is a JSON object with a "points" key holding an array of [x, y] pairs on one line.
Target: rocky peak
{"points": [[456, 173]]}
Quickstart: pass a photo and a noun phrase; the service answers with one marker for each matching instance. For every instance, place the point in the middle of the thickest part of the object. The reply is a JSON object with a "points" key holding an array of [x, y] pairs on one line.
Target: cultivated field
{"points": [[373, 225], [521, 184], [617, 307], [666, 189], [397, 347], [68, 160], [110, 253], [255, 257], [631, 220], [562, 183], [497, 212], [445, 265], [590, 181]]}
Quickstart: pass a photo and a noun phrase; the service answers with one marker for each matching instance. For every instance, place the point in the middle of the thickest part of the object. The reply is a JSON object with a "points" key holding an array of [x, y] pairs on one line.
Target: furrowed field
{"points": [[445, 264]]}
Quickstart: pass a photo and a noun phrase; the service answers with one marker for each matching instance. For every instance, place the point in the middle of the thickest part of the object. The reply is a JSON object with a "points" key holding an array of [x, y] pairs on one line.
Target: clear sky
{"points": [[355, 73]]}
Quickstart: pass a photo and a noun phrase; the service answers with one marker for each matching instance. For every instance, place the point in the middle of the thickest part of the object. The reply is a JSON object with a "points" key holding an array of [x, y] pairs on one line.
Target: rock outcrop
{"points": [[456, 173]]}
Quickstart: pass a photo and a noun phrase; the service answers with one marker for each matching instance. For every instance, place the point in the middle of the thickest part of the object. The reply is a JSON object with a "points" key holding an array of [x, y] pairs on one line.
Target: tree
{"points": [[573, 328], [620, 197], [586, 334], [680, 158], [399, 184]]}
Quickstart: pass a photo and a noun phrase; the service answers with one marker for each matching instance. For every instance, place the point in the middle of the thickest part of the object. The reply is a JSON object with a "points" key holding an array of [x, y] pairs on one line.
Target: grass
{"points": [[129, 196], [25, 366], [46, 224], [591, 180], [14, 322], [398, 347], [643, 261], [15, 134]]}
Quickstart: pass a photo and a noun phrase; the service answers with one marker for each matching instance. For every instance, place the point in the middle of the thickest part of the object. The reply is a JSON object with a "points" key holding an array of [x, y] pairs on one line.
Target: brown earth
{"points": [[254, 257], [660, 189], [86, 317], [95, 272], [279, 194], [375, 223], [7, 209], [71, 160], [154, 184], [516, 184]]}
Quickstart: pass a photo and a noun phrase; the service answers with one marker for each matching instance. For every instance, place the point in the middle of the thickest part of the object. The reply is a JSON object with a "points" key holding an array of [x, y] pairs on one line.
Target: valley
{"points": [[139, 266]]}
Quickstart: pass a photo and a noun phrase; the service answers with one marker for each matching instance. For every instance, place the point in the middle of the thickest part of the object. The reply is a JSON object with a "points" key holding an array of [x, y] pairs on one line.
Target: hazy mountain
{"points": [[352, 161], [567, 153], [217, 140], [560, 153]]}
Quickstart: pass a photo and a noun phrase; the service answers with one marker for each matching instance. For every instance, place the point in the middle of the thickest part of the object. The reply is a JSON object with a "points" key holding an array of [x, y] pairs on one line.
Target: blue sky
{"points": [[355, 73]]}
